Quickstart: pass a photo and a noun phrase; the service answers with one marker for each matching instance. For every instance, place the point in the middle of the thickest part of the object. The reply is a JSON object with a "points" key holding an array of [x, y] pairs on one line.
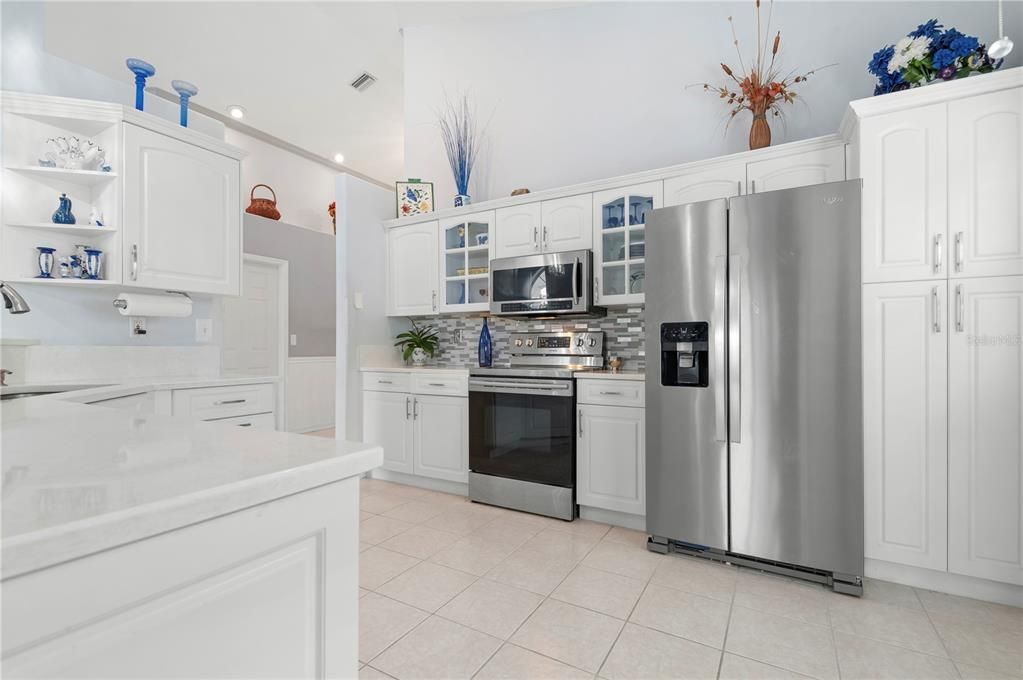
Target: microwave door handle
{"points": [[575, 281]]}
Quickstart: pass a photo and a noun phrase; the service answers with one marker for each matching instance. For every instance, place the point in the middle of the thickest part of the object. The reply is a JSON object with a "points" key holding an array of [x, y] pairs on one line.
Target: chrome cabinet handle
{"points": [[435, 301], [935, 309], [244, 424], [545, 242], [536, 238], [436, 384], [960, 308], [959, 251], [415, 408], [385, 382], [734, 348], [611, 394], [753, 186], [937, 254], [408, 413], [596, 289], [134, 261], [225, 402], [739, 192], [718, 330], [580, 422]]}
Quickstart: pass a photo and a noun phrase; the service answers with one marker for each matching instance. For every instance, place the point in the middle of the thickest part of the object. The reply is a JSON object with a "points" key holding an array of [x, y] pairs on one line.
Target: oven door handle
{"points": [[554, 389]]}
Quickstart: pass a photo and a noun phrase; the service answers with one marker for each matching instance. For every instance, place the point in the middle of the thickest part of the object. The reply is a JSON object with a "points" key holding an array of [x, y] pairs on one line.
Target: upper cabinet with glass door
{"points": [[465, 246], [619, 241]]}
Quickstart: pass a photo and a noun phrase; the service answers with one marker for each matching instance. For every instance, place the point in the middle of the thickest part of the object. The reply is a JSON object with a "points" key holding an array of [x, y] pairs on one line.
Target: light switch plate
{"points": [[293, 340], [204, 330], [358, 301]]}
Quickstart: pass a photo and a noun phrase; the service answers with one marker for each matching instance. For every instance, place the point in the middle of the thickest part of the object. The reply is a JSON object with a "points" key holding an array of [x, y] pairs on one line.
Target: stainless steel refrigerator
{"points": [[754, 424]]}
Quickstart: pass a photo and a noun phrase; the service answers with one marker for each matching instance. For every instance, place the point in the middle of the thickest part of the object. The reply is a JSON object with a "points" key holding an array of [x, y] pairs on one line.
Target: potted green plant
{"points": [[418, 343]]}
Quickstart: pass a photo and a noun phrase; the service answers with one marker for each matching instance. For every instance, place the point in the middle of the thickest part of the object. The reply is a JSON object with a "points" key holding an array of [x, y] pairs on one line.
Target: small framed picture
{"points": [[414, 197]]}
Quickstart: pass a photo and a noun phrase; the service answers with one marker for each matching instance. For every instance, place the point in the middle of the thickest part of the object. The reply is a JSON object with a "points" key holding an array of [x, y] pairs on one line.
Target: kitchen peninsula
{"points": [[143, 541]]}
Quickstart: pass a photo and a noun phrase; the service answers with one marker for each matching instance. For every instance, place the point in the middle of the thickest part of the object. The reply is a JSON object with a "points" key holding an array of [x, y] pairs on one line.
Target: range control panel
{"points": [[590, 343]]}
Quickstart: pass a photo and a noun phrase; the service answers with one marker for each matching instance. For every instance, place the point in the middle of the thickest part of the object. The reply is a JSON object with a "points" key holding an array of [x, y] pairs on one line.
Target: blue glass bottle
{"points": [[486, 350]]}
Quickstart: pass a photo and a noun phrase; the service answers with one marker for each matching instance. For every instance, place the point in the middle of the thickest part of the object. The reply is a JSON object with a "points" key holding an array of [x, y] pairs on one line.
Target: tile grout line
{"points": [[834, 642], [728, 626]]}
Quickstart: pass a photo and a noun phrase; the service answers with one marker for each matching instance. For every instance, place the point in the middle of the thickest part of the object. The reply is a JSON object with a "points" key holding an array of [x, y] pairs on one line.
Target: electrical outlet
{"points": [[358, 301], [203, 330], [137, 324]]}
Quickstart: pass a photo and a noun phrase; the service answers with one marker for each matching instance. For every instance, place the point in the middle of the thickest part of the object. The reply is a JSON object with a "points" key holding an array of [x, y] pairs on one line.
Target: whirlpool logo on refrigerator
{"points": [[832, 200]]}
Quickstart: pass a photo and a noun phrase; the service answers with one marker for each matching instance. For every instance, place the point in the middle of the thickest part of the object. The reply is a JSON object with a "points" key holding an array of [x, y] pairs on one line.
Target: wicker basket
{"points": [[264, 207]]}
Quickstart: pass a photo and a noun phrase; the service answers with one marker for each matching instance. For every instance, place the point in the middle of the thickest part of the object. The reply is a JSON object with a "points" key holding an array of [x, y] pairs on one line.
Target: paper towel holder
{"points": [[123, 304]]}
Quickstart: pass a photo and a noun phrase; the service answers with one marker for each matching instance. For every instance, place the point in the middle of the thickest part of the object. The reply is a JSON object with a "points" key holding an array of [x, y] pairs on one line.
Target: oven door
{"points": [[523, 429], [552, 283]]}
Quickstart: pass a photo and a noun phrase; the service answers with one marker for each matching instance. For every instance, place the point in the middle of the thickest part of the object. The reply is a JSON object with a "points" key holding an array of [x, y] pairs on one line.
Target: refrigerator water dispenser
{"points": [[684, 356]]}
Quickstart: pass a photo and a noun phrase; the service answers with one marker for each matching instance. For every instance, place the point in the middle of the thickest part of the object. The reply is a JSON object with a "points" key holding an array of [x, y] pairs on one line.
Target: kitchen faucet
{"points": [[12, 300]]}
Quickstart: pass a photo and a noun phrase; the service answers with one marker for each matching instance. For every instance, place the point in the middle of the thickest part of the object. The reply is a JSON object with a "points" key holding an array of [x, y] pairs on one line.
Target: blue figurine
{"points": [[486, 356], [185, 90], [63, 214], [142, 70]]}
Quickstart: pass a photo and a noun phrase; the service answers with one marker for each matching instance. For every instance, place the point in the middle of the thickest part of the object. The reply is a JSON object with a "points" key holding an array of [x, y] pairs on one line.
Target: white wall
{"points": [[362, 334], [599, 90]]}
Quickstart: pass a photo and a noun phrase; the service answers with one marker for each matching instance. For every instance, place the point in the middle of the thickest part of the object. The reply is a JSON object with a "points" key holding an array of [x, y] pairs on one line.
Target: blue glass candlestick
{"points": [[142, 70], [185, 90]]}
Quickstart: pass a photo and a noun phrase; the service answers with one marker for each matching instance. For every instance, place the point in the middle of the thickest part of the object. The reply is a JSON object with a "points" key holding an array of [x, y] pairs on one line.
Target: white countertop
{"points": [[78, 479], [609, 375], [95, 390], [461, 370]]}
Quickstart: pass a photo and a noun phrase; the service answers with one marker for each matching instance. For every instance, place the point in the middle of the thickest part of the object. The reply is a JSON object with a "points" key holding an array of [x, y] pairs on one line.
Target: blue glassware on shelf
{"points": [[45, 262], [486, 352], [92, 262], [63, 214], [142, 70], [186, 91]]}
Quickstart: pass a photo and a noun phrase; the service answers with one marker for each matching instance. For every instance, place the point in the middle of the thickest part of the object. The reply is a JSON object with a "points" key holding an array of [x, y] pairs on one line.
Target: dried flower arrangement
{"points": [[761, 88]]}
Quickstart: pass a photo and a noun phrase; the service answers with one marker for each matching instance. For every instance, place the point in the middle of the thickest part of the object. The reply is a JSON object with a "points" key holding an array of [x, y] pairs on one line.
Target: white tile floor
{"points": [[452, 589]]}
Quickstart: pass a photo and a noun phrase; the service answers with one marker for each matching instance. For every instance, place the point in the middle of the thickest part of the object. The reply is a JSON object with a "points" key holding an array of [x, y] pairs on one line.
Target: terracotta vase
{"points": [[760, 131]]}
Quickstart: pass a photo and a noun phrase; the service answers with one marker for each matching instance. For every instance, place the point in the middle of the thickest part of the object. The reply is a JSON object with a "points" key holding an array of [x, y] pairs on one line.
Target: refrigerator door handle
{"points": [[718, 325], [734, 349]]}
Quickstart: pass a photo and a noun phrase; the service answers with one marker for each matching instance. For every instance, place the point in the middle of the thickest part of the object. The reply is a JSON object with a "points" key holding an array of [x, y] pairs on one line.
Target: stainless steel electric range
{"points": [[522, 422]]}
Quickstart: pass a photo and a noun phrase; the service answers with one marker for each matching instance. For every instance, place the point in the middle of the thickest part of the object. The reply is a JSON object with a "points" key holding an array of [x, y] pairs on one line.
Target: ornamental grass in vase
{"points": [[761, 88]]}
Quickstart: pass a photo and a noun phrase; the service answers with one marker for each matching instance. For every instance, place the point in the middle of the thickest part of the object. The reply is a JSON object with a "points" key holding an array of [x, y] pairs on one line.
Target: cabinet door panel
{"points": [[567, 223], [905, 331], [611, 458], [985, 167], [903, 164], [619, 241], [518, 230], [797, 170], [986, 429], [182, 216], [412, 276], [719, 181], [387, 421], [442, 437]]}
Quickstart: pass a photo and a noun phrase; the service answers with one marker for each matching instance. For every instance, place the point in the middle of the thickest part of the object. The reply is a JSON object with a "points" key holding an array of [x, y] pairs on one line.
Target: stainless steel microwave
{"points": [[548, 284]]}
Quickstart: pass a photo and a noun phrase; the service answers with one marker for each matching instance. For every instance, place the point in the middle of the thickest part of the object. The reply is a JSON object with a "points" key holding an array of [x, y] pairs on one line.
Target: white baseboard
{"points": [[429, 483], [944, 582], [613, 517]]}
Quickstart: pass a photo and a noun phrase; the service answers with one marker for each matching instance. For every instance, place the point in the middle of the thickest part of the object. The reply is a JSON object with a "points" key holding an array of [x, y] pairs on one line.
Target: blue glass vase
{"points": [[63, 214], [486, 353]]}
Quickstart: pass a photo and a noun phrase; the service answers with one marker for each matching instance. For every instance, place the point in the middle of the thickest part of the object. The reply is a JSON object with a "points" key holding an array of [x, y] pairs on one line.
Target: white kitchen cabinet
{"points": [[705, 183], [412, 270], [905, 331], [465, 247], [611, 458], [619, 241], [797, 170], [545, 227], [984, 429], [518, 230], [903, 163], [182, 215], [441, 443], [985, 176], [387, 421]]}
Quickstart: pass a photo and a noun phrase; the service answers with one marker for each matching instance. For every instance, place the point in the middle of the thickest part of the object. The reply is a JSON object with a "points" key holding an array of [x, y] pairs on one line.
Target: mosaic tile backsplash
{"points": [[459, 335]]}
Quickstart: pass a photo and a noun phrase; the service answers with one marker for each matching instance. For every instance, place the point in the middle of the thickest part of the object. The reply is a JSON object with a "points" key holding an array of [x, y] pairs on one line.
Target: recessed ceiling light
{"points": [[339, 158], [235, 111]]}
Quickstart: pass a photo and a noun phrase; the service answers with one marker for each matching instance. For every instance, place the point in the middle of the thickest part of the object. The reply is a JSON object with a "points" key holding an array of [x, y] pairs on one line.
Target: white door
{"points": [[610, 458], [441, 437], [182, 216], [518, 230], [252, 323], [903, 164], [723, 180], [905, 392], [798, 170], [985, 176], [567, 223], [986, 429], [412, 270], [387, 421]]}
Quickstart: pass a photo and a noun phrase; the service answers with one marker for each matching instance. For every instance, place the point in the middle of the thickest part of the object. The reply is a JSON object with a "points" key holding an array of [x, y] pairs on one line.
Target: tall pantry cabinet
{"points": [[942, 168]]}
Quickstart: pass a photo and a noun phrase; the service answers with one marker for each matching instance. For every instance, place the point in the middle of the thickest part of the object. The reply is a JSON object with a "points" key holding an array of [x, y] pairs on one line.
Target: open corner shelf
{"points": [[76, 229], [85, 177], [64, 282]]}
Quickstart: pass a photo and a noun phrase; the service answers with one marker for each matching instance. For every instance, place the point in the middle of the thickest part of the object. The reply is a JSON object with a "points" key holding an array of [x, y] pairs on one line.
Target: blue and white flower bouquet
{"points": [[926, 55]]}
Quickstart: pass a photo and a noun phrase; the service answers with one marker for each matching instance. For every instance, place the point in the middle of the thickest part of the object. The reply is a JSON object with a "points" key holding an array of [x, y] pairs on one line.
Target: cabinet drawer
{"points": [[453, 385], [209, 403], [387, 382], [260, 421], [611, 392]]}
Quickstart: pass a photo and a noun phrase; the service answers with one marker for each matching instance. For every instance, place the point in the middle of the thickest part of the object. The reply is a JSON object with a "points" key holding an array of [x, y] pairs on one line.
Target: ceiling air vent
{"points": [[363, 82]]}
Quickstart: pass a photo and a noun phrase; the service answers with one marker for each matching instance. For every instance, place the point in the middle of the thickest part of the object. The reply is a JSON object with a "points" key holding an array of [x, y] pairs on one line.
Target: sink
{"points": [[23, 391]]}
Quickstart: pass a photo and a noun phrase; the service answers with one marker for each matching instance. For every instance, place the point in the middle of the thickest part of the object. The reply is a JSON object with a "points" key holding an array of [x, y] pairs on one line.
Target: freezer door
{"points": [[686, 459], [795, 415]]}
